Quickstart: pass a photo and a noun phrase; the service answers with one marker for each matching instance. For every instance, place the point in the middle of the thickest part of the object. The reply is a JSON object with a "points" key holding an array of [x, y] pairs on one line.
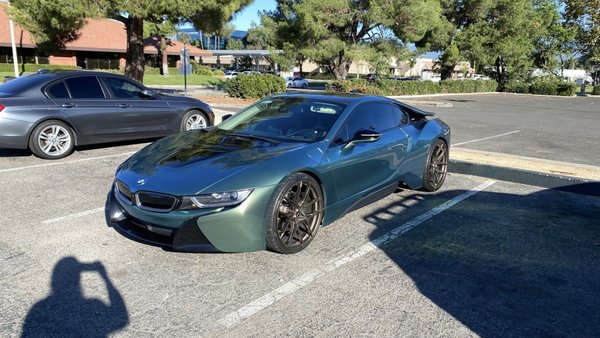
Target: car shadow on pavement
{"points": [[504, 265], [66, 312]]}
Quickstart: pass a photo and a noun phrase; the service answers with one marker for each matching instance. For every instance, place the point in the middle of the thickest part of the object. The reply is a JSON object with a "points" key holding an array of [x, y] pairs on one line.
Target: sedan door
{"points": [[367, 166], [140, 115], [84, 101]]}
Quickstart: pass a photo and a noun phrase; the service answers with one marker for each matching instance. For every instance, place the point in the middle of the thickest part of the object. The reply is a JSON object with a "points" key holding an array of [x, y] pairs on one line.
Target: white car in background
{"points": [[296, 82], [231, 74]]}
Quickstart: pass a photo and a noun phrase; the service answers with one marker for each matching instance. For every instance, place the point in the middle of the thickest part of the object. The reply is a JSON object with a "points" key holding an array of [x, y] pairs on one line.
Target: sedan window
{"points": [[85, 87], [122, 88], [57, 91]]}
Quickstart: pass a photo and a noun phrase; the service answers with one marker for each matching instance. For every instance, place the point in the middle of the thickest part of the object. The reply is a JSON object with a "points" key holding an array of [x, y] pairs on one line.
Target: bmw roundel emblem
{"points": [[141, 181]]}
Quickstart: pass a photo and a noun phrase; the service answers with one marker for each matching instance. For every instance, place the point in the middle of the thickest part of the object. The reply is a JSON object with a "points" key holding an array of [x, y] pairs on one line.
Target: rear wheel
{"points": [[295, 214], [194, 119], [52, 140], [436, 167]]}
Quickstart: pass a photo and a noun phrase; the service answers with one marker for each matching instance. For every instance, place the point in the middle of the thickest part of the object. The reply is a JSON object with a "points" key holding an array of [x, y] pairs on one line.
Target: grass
{"points": [[153, 80]]}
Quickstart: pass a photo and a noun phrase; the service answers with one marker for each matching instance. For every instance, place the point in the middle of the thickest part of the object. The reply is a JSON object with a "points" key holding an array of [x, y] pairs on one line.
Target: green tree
{"points": [[584, 15], [57, 21], [334, 33], [160, 29], [505, 42], [234, 44]]}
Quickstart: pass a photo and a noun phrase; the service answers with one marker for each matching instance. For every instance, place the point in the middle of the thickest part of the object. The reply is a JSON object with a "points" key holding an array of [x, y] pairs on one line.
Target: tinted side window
{"points": [[400, 117], [361, 118], [122, 88], [85, 87], [57, 91]]}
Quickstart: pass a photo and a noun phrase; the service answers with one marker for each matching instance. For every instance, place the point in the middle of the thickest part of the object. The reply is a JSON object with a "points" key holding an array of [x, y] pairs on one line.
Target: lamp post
{"points": [[13, 44]]}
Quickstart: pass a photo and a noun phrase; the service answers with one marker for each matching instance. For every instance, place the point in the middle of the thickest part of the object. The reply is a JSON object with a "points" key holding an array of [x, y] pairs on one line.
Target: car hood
{"points": [[188, 163]]}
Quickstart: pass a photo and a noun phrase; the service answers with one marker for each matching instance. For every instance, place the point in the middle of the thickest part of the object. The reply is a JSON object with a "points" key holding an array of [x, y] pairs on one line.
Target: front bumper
{"points": [[237, 229]]}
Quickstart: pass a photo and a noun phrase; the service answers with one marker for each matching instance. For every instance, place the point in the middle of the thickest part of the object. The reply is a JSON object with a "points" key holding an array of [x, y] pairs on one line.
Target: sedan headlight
{"points": [[214, 200]]}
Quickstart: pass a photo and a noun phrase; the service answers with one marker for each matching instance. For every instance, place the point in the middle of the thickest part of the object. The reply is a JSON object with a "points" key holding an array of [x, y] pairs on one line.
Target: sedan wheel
{"points": [[193, 119], [51, 140], [436, 167], [296, 212]]}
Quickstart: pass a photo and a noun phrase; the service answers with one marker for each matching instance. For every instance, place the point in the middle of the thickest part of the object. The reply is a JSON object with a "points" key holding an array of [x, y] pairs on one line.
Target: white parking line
{"points": [[77, 215], [296, 284], [485, 138], [67, 162]]}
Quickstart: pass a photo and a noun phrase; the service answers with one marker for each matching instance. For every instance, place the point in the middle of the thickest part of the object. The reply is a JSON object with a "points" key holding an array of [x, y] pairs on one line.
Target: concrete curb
{"points": [[550, 181]]}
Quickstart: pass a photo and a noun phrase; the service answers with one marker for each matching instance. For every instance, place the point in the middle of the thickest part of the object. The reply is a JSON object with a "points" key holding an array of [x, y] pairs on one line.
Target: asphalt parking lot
{"points": [[478, 258]]}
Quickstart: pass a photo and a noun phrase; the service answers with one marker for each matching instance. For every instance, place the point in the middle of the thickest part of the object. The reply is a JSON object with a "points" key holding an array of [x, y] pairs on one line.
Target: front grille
{"points": [[155, 201], [144, 199]]}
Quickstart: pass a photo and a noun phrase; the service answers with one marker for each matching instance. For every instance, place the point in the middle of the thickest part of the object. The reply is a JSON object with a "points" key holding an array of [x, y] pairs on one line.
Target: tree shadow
{"points": [[67, 313], [504, 265]]}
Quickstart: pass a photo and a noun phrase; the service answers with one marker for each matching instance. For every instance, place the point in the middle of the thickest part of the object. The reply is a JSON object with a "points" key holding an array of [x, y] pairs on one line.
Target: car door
{"points": [[139, 114], [367, 166], [86, 105]]}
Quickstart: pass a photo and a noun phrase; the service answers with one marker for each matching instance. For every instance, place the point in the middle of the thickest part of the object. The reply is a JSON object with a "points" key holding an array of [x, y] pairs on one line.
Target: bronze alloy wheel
{"points": [[297, 214], [437, 166]]}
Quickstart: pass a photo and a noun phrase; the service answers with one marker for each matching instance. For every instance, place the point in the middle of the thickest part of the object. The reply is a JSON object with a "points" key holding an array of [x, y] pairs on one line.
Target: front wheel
{"points": [[194, 119], [295, 214], [436, 167], [52, 140]]}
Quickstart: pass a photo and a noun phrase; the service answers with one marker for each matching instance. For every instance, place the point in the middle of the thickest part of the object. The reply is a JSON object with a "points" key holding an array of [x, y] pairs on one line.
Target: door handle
{"points": [[123, 105], [68, 105]]}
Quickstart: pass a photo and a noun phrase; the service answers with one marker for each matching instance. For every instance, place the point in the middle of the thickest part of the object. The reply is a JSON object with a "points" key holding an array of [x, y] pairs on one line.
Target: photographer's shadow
{"points": [[67, 313]]}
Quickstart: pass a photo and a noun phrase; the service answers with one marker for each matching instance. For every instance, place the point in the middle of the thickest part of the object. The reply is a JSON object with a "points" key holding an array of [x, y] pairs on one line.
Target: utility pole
{"points": [[13, 44]]}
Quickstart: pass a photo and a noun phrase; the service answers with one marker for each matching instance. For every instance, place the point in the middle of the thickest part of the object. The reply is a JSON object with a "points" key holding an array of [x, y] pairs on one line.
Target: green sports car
{"points": [[271, 175]]}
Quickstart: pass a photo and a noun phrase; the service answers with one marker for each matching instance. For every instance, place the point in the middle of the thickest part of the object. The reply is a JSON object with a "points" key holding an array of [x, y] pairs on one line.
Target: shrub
{"points": [[394, 87], [596, 90], [544, 88], [517, 87], [218, 72], [198, 69], [254, 85], [30, 67], [566, 88]]}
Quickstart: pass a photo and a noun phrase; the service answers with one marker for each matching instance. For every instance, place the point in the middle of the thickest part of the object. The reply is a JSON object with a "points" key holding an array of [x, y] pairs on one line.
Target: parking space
{"points": [[553, 128], [478, 257]]}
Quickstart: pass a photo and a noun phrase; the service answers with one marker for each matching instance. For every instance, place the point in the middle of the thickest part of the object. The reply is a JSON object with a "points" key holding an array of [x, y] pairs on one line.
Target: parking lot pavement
{"points": [[509, 260], [553, 128]]}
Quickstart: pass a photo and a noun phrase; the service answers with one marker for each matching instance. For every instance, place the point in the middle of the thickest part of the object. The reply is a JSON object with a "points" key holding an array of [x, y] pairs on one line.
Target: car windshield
{"points": [[287, 119]]}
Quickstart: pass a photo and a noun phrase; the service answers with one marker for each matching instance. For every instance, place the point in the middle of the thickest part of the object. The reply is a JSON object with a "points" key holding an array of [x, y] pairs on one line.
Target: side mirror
{"points": [[148, 94], [363, 136], [225, 117]]}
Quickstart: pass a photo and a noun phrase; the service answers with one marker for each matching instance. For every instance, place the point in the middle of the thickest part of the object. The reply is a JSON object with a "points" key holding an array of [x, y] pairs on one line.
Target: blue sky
{"points": [[243, 19]]}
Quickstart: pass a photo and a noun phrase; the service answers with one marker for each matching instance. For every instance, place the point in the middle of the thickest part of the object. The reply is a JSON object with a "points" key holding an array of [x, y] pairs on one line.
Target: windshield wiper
{"points": [[254, 137]]}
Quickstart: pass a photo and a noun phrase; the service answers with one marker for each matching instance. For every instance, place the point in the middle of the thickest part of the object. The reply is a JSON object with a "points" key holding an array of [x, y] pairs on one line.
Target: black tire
{"points": [[52, 140], [294, 214], [304, 85], [194, 119], [436, 167]]}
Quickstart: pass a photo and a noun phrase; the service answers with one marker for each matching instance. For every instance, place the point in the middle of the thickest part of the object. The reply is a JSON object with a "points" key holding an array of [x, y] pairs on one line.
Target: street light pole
{"points": [[13, 44]]}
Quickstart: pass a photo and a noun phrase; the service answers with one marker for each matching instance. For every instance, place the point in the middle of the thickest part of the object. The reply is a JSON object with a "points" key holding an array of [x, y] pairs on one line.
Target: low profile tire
{"points": [[436, 167], [294, 214], [194, 119], [52, 140]]}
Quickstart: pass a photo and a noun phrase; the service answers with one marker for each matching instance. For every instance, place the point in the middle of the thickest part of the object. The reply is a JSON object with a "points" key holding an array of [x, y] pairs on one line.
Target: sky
{"points": [[244, 18]]}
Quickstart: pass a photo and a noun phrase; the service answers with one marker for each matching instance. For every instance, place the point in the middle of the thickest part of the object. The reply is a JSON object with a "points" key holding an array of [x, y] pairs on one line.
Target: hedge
{"points": [[156, 70], [394, 87], [542, 87], [31, 67], [254, 85], [596, 90]]}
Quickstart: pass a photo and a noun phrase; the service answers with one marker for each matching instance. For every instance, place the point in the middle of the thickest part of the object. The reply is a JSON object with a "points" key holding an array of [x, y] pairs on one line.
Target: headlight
{"points": [[214, 200]]}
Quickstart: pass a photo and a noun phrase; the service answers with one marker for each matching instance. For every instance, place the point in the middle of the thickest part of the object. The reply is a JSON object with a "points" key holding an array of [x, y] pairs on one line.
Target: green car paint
{"points": [[218, 160]]}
